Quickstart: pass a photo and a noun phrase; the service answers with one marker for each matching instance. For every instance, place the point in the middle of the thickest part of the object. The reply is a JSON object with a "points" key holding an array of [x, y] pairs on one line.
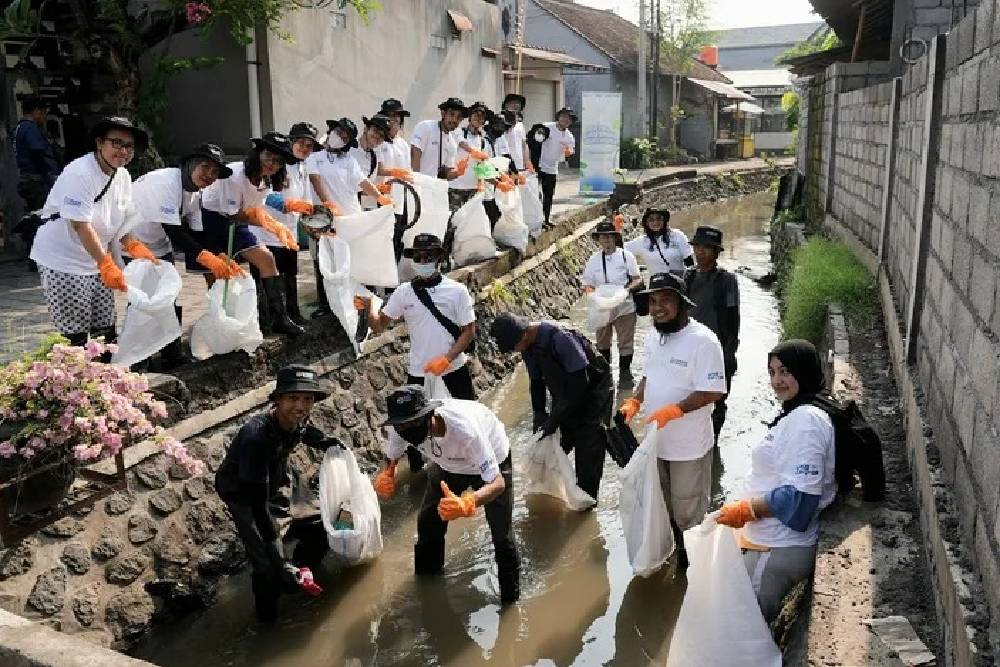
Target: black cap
{"points": [[303, 131], [568, 111], [348, 126], [378, 121], [509, 117], [668, 281], [424, 242], [478, 106], [406, 404], [140, 136], [298, 378], [453, 103], [514, 97], [708, 236], [391, 106], [31, 102], [278, 143], [212, 153], [605, 227], [650, 211], [508, 330]]}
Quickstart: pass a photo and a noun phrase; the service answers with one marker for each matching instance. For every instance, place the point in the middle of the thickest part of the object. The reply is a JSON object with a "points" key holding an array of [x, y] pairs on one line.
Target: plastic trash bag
{"points": [[434, 210], [531, 204], [603, 305], [369, 235], [550, 472], [501, 163], [510, 229], [649, 538], [473, 240], [719, 594], [335, 267], [342, 486], [220, 331], [435, 388], [150, 321]]}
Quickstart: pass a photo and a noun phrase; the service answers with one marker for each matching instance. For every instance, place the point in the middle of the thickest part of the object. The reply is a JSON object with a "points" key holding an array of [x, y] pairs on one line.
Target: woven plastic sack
{"points": [[510, 229], [342, 485], [603, 303], [473, 239], [719, 595], [649, 538], [531, 204], [220, 330], [369, 235], [150, 321], [550, 472], [434, 211]]}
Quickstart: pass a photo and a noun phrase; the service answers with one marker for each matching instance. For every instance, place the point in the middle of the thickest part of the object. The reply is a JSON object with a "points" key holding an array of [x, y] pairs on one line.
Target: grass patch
{"points": [[821, 272]]}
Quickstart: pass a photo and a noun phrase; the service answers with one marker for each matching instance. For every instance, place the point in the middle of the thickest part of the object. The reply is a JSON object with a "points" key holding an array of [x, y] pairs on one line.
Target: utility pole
{"points": [[641, 71], [521, 9], [657, 37]]}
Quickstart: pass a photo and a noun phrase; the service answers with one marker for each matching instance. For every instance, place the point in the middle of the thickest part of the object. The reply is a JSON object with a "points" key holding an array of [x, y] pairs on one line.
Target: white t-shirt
{"points": [[394, 153], [467, 181], [515, 144], [799, 452], [428, 338], [341, 175], [229, 196], [437, 147], [298, 188], [553, 147], [618, 268], [474, 441], [678, 365], [159, 199], [498, 148], [662, 257], [57, 246]]}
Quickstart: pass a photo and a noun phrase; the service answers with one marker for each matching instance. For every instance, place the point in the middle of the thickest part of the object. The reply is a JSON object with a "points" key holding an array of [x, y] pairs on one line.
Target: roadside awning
{"points": [[551, 56], [460, 22], [745, 107], [722, 89]]}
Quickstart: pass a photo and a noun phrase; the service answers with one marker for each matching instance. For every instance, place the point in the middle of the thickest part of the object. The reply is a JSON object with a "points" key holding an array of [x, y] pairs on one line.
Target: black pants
{"points": [[428, 553], [459, 384], [720, 409], [287, 263], [397, 236], [585, 435], [492, 212], [548, 185]]}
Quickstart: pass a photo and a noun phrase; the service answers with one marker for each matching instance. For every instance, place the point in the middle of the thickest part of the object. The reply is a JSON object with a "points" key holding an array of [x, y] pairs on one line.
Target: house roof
{"points": [[843, 18], [771, 35], [616, 37], [752, 78]]}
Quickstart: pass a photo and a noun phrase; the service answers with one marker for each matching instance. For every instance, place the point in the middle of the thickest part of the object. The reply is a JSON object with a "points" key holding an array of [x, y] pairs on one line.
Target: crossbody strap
{"points": [[425, 298]]}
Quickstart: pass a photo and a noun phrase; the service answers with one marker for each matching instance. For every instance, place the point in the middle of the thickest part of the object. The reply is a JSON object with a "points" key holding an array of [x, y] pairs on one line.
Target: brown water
{"points": [[579, 604]]}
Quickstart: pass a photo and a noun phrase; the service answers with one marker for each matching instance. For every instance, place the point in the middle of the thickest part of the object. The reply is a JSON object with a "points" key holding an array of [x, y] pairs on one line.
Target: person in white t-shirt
{"points": [[394, 163], [684, 376], [470, 455], [661, 249], [433, 149], [86, 216], [792, 479], [556, 147], [367, 153], [613, 265], [515, 135]]}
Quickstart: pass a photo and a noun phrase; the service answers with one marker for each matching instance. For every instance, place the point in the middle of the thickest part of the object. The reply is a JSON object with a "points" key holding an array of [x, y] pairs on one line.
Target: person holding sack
{"points": [[661, 249], [433, 148], [472, 144], [470, 468], [394, 162], [613, 265], [563, 363]]}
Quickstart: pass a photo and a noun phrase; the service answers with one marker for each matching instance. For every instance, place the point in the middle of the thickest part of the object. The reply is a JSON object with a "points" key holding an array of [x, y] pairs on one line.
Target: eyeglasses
{"points": [[121, 144]]}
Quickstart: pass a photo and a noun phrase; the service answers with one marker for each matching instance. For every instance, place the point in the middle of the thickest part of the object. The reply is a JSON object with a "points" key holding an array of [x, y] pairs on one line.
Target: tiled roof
{"points": [[615, 37], [771, 35]]}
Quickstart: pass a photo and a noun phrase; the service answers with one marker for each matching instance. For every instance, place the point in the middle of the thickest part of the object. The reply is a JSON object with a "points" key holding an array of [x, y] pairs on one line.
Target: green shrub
{"points": [[821, 272], [638, 153]]}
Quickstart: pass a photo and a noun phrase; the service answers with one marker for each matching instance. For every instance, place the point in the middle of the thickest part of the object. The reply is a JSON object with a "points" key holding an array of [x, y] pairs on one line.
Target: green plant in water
{"points": [[821, 272]]}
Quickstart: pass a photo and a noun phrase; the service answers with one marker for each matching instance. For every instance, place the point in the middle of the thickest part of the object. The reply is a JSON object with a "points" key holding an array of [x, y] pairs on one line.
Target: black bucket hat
{"points": [[454, 103], [509, 117], [348, 126], [378, 121], [140, 136], [708, 236], [650, 211], [478, 106], [424, 242], [508, 330], [667, 281], [278, 143], [408, 403], [303, 130], [606, 227], [298, 378], [569, 112], [514, 97], [392, 105], [212, 153]]}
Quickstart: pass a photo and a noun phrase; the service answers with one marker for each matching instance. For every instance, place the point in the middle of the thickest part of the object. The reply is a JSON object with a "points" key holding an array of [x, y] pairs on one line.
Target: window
{"points": [[438, 42]]}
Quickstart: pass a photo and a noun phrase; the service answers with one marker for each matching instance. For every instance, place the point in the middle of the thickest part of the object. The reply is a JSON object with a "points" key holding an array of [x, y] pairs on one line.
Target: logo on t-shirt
{"points": [[169, 210], [716, 375], [807, 469], [231, 202], [69, 201], [679, 362]]}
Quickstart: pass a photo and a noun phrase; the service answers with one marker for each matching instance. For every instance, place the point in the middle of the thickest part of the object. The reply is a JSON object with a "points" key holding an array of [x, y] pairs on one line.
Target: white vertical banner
{"points": [[600, 135]]}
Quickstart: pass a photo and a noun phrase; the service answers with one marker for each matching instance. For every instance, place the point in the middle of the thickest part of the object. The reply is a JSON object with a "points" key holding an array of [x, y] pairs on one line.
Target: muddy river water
{"points": [[579, 604]]}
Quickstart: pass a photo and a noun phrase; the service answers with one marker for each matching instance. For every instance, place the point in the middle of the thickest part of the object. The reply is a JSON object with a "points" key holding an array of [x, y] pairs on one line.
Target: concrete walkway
{"points": [[24, 318]]}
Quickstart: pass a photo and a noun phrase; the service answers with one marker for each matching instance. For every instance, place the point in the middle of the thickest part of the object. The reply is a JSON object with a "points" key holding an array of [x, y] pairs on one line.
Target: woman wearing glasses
{"points": [[78, 248]]}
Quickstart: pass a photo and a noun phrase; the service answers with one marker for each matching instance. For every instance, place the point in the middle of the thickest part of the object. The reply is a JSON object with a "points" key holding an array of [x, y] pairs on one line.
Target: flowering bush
{"points": [[70, 404], [196, 12]]}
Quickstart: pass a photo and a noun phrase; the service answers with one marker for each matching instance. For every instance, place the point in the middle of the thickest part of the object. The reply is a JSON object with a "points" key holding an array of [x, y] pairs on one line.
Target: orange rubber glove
{"points": [[521, 179], [298, 206], [402, 173], [138, 250], [384, 200], [235, 270], [217, 264], [629, 408], [736, 515], [437, 366], [619, 222], [385, 481], [111, 275], [479, 155], [587, 289], [332, 208], [258, 216], [666, 414], [462, 166], [505, 186], [567, 152], [453, 507], [384, 188], [360, 303]]}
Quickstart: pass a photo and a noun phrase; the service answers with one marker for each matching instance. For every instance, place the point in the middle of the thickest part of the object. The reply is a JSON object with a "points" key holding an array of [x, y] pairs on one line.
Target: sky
{"points": [[730, 13]]}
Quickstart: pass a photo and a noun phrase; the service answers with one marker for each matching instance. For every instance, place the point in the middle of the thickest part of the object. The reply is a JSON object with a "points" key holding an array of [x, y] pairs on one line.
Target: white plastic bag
{"points": [[150, 321], [603, 303], [649, 538], [220, 331], [335, 267], [719, 594], [473, 240], [369, 235], [531, 203], [435, 388], [511, 230], [342, 485], [550, 472], [434, 210]]}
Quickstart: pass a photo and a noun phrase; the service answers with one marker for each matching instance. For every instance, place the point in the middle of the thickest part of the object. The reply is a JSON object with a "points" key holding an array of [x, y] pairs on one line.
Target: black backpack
{"points": [[858, 449]]}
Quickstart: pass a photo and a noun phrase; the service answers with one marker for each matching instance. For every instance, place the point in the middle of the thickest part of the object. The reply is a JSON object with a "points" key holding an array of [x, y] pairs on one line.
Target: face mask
{"points": [[425, 270], [335, 142], [539, 137], [416, 434]]}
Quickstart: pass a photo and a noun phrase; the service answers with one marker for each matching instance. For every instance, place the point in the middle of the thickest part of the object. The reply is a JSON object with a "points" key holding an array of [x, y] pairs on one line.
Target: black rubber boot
{"points": [[77, 339], [265, 316], [110, 336], [606, 354], [324, 306], [265, 597], [172, 355], [625, 370], [280, 323], [428, 559], [292, 300]]}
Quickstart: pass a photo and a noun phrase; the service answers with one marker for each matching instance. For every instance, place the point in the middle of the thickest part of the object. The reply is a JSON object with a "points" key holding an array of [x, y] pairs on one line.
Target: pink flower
{"points": [[197, 12], [7, 450]]}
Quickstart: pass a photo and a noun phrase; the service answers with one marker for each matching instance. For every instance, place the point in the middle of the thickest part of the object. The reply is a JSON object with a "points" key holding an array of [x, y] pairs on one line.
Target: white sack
{"points": [[435, 388], [649, 538], [719, 595], [369, 235], [550, 472], [434, 210], [602, 304], [150, 321], [510, 230], [473, 240], [220, 331], [335, 267], [342, 483], [531, 203]]}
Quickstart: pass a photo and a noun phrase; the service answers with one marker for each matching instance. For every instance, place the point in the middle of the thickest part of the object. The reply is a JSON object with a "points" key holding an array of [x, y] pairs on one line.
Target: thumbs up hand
{"points": [[453, 507]]}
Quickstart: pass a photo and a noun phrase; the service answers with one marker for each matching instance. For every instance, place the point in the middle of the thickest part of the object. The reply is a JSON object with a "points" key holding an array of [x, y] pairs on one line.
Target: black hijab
{"points": [[802, 361]]}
